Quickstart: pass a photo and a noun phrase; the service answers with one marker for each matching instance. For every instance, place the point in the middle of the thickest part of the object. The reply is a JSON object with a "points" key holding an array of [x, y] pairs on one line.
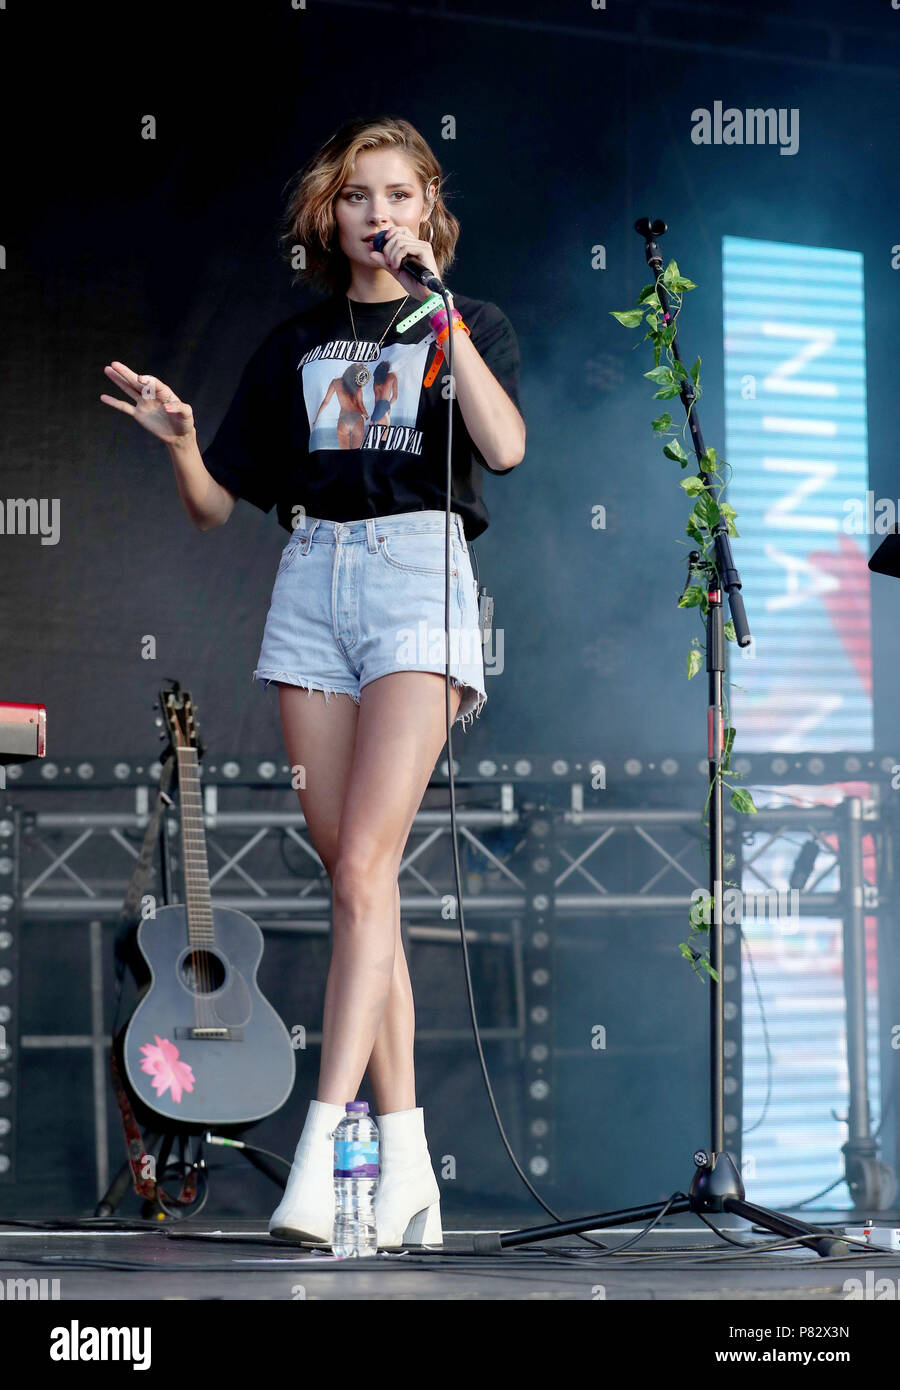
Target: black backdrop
{"points": [[163, 253]]}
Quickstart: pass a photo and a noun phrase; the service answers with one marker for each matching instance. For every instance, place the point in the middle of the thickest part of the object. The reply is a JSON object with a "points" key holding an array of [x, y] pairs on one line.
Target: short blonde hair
{"points": [[309, 219]]}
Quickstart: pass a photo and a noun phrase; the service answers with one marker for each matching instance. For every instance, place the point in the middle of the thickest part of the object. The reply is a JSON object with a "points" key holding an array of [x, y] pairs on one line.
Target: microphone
{"points": [[415, 268]]}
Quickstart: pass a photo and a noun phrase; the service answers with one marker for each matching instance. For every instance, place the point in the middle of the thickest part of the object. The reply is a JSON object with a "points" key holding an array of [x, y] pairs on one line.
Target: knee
{"points": [[362, 879]]}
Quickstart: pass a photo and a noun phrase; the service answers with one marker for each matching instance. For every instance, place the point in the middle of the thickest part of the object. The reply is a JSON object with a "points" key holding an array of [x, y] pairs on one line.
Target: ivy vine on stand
{"points": [[705, 489]]}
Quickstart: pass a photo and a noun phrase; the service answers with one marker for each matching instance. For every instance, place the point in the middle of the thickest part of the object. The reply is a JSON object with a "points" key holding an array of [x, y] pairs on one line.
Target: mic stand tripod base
{"points": [[716, 1179], [716, 1186]]}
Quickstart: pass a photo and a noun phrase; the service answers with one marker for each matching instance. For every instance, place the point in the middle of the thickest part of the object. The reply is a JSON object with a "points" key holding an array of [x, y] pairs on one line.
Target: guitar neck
{"points": [[193, 845]]}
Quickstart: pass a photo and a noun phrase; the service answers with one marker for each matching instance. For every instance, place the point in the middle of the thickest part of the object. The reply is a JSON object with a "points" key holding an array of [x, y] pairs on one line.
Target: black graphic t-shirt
{"points": [[346, 429]]}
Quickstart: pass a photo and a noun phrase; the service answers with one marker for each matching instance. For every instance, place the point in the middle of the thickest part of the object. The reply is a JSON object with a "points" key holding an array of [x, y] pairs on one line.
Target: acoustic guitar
{"points": [[203, 1047]]}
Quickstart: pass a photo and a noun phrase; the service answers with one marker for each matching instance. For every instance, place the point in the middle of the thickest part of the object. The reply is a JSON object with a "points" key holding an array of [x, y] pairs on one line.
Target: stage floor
{"points": [[234, 1259]]}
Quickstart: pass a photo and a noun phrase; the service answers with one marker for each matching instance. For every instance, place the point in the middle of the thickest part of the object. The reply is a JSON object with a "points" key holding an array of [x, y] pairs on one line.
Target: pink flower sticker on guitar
{"points": [[161, 1062]]}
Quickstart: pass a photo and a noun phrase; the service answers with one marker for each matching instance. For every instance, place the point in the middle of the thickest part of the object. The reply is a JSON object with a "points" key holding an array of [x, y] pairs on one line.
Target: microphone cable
{"points": [[445, 295]]}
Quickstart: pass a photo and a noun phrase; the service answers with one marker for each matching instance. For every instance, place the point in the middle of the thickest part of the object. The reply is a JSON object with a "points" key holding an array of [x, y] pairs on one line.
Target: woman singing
{"points": [[340, 423]]}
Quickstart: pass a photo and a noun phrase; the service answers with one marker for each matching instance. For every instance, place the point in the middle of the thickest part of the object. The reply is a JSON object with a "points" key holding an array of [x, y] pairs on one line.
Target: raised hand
{"points": [[401, 242], [156, 406]]}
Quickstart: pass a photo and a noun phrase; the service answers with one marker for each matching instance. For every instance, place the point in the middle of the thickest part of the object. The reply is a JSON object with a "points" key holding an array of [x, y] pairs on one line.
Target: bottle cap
{"points": [[357, 1107]]}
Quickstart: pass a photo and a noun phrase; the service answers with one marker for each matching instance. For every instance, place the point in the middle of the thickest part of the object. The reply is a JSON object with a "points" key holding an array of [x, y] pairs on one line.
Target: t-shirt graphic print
{"points": [[362, 396]]}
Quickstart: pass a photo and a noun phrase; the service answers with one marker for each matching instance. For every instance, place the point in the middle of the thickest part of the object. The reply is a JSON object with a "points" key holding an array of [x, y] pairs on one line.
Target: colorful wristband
{"points": [[439, 318], [427, 306], [434, 368], [445, 332]]}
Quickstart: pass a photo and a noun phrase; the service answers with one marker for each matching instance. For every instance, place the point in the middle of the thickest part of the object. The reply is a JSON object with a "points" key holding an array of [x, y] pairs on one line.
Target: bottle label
{"points": [[356, 1158]]}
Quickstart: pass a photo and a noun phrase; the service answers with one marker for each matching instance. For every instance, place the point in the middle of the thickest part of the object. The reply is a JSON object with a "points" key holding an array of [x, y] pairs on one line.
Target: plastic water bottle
{"points": [[355, 1180]]}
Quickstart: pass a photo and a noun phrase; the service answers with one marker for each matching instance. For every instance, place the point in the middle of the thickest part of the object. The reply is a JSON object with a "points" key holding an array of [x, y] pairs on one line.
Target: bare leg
{"points": [[391, 1067], [321, 737], [400, 733]]}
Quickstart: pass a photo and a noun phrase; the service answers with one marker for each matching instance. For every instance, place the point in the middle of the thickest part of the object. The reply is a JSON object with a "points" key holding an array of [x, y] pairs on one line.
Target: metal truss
{"points": [[541, 847]]}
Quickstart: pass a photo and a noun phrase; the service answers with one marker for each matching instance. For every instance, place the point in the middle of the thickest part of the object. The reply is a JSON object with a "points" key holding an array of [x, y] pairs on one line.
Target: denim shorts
{"points": [[355, 600]]}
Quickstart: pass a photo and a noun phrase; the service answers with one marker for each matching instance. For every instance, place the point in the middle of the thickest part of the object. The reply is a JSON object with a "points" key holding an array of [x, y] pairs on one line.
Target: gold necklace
{"points": [[363, 375]]}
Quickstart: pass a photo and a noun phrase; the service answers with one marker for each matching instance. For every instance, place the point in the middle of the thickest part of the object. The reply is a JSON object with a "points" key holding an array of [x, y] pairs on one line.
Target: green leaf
{"points": [[694, 662], [708, 460], [660, 374], [695, 371], [709, 970], [706, 511], [629, 317], [662, 423], [648, 293], [742, 801], [730, 632], [692, 597], [674, 280], [674, 450], [701, 913], [693, 486], [667, 392], [693, 530], [729, 514]]}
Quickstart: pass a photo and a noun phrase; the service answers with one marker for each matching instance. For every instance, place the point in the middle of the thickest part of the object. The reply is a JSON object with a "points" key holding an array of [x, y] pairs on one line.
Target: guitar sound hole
{"points": [[202, 972]]}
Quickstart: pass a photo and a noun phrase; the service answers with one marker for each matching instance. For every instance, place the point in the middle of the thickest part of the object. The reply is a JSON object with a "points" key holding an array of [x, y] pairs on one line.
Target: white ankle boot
{"points": [[306, 1211], [407, 1198]]}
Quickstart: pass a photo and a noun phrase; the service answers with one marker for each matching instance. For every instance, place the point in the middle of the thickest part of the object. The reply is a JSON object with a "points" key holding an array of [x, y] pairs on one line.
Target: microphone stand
{"points": [[716, 1185]]}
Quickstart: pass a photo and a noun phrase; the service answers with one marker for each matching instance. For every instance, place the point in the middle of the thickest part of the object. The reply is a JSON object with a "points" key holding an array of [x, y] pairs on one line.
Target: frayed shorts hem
{"points": [[471, 703], [267, 678]]}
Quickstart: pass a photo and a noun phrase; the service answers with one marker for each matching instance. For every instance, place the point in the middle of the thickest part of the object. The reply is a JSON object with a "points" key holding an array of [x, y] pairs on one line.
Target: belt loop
{"points": [[307, 540], [370, 535]]}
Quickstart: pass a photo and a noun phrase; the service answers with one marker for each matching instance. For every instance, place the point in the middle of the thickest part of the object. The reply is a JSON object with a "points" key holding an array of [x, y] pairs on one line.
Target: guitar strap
{"points": [[150, 1188], [130, 912], [126, 954]]}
